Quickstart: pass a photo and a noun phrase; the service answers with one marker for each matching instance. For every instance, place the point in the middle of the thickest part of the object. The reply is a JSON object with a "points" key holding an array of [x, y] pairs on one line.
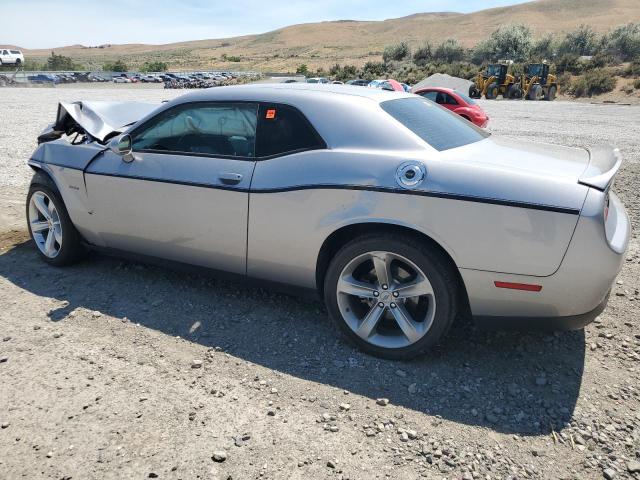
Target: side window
{"points": [[4, 52], [449, 100], [225, 129], [430, 95], [283, 129]]}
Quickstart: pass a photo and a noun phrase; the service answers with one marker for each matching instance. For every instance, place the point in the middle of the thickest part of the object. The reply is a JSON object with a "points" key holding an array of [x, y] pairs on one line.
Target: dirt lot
{"points": [[97, 376]]}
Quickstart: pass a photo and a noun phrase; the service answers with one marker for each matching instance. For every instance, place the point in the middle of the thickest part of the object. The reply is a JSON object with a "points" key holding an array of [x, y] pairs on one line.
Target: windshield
{"points": [[493, 70], [434, 124], [466, 98], [535, 70]]}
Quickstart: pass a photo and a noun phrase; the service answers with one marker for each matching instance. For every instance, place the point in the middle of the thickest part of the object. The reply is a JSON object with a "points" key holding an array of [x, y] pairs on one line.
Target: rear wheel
{"points": [[535, 92], [391, 296], [551, 93], [50, 227], [492, 91], [474, 92], [514, 92]]}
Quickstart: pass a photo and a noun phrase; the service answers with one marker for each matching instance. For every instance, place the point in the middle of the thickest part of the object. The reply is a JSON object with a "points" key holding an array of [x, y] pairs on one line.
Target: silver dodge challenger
{"points": [[400, 214]]}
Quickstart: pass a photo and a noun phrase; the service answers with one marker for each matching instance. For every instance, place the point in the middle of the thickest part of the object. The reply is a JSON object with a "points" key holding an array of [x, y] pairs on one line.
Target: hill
{"points": [[355, 42]]}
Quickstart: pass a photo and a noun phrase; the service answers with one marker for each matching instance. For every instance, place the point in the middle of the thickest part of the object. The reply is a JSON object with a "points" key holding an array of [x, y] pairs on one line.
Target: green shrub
{"points": [[423, 55], [636, 84], [449, 51], [154, 67], [302, 69], [341, 73], [594, 82], [396, 52], [544, 48], [632, 70], [60, 62], [230, 58], [624, 42], [372, 70], [118, 66], [581, 41]]}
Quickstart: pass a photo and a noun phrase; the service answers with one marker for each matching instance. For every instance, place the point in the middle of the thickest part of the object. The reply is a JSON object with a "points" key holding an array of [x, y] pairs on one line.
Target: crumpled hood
{"points": [[98, 119]]}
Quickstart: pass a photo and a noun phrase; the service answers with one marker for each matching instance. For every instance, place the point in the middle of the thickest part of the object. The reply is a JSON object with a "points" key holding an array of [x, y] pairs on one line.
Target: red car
{"points": [[456, 102]]}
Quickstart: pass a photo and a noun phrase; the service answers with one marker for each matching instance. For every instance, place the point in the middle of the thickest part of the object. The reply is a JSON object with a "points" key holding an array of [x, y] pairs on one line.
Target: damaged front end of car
{"points": [[86, 122]]}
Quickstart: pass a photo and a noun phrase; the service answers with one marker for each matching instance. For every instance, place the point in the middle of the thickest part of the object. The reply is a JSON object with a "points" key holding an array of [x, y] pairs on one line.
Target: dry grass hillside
{"points": [[355, 42]]}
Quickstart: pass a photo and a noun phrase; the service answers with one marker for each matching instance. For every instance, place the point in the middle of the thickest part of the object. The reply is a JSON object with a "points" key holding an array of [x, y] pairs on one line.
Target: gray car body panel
{"points": [[502, 210]]}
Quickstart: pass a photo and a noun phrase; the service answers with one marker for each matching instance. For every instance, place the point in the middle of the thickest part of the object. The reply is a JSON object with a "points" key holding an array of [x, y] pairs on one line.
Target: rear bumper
{"points": [[550, 324], [572, 296]]}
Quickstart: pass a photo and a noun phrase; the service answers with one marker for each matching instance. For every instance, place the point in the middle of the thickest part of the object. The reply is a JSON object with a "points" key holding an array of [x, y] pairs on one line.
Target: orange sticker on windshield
{"points": [[271, 114]]}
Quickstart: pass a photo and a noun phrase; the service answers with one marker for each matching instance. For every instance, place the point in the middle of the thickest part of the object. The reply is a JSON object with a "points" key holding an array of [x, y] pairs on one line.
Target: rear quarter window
{"points": [[283, 129], [435, 125]]}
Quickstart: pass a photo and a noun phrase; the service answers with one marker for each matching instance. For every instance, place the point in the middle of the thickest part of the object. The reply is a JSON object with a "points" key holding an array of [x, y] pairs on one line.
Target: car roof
{"points": [[436, 89], [281, 92], [344, 115]]}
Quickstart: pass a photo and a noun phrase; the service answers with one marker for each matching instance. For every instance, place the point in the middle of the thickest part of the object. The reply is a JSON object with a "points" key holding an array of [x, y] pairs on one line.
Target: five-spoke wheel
{"points": [[386, 299], [392, 296], [49, 224], [44, 222]]}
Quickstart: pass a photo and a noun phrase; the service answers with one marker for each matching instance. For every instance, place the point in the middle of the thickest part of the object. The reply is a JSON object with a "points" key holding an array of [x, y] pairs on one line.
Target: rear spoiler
{"points": [[604, 163]]}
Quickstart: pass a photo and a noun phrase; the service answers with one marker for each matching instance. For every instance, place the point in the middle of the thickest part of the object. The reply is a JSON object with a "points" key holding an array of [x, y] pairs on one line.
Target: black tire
{"points": [[514, 92], [550, 95], [18, 62], [72, 249], [535, 92], [492, 92], [433, 264], [474, 92]]}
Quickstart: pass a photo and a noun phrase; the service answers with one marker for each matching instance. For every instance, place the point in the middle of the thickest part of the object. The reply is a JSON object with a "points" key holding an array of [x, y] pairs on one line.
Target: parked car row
{"points": [[55, 78], [171, 77]]}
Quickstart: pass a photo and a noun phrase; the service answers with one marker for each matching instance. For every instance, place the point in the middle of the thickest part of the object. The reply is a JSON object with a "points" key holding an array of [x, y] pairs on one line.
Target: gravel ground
{"points": [[113, 369]]}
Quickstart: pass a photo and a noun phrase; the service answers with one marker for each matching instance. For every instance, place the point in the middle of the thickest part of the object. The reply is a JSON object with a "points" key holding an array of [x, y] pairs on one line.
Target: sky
{"points": [[56, 23]]}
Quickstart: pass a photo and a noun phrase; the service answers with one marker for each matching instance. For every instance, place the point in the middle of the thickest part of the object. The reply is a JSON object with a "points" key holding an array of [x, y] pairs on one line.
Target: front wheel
{"points": [[392, 296], [50, 227], [492, 92]]}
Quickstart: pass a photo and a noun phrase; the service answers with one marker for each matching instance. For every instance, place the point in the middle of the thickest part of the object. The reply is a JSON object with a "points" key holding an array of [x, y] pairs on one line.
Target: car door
{"points": [[447, 101], [184, 196]]}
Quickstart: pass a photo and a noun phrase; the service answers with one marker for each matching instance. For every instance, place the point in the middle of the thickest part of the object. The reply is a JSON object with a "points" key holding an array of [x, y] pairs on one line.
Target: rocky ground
{"points": [[113, 369]]}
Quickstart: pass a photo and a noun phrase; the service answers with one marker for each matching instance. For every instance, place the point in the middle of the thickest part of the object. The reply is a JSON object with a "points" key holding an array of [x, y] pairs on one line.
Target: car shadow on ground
{"points": [[511, 382]]}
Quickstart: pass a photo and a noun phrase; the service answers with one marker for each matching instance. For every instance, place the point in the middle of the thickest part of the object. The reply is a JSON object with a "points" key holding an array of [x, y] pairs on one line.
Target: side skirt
{"points": [[241, 280]]}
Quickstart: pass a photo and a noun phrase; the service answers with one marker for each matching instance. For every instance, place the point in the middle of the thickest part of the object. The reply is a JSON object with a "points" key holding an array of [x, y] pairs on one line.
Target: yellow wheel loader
{"points": [[537, 83], [493, 82]]}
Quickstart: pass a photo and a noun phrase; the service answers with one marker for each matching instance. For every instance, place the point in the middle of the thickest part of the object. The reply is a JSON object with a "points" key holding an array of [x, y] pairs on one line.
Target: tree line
{"points": [[582, 52]]}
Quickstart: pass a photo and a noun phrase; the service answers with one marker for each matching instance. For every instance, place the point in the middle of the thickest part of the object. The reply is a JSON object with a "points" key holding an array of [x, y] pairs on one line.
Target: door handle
{"points": [[230, 178]]}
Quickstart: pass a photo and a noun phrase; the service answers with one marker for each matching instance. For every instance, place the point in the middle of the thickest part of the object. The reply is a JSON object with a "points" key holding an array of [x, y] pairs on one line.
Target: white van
{"points": [[11, 57]]}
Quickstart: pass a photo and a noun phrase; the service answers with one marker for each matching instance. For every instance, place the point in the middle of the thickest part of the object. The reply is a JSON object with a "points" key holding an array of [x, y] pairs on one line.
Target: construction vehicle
{"points": [[536, 83], [493, 82]]}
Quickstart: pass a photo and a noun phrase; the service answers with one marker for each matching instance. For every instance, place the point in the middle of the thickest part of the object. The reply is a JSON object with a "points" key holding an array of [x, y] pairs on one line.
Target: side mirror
{"points": [[123, 146]]}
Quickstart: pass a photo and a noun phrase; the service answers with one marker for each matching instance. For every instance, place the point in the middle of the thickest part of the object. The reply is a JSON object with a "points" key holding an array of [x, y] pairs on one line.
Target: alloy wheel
{"points": [[386, 299], [44, 222]]}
